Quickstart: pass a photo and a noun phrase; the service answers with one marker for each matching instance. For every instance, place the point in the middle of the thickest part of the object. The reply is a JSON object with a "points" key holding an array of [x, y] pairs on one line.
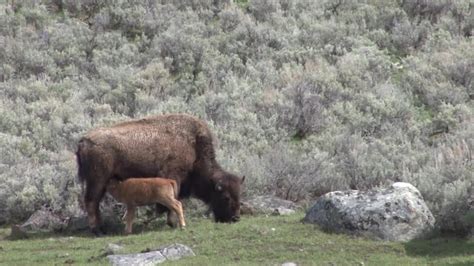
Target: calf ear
{"points": [[242, 180]]}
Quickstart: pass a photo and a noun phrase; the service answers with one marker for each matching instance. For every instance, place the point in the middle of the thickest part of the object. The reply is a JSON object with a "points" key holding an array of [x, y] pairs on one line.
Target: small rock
{"points": [[283, 211], [65, 255], [77, 223], [176, 251], [268, 204], [289, 264], [172, 252], [246, 209], [112, 249], [149, 258]]}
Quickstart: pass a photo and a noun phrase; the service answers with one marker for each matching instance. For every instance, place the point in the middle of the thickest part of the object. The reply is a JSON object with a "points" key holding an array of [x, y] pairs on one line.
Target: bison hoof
{"points": [[172, 225]]}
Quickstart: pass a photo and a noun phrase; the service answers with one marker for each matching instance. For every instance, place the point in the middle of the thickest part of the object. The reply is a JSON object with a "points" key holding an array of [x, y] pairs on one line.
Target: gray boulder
{"points": [[43, 220], [269, 205], [46, 221], [172, 252], [397, 213]]}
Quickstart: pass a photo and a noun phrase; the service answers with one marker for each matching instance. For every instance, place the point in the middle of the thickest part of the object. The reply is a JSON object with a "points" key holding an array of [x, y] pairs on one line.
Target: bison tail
{"points": [[80, 161], [80, 173]]}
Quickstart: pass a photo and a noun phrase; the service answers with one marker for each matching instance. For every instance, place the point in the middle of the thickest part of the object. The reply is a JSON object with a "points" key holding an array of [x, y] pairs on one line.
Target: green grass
{"points": [[253, 241], [242, 3]]}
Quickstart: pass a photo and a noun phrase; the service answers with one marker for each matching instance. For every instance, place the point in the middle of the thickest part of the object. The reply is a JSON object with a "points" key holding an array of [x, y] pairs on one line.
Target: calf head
{"points": [[112, 187], [225, 202]]}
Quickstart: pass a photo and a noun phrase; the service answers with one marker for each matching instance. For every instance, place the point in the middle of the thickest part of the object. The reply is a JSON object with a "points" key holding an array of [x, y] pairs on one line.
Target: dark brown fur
{"points": [[177, 146]]}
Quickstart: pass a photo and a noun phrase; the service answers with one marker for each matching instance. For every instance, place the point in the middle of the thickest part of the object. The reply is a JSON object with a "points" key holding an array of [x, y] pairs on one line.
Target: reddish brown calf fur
{"points": [[135, 192]]}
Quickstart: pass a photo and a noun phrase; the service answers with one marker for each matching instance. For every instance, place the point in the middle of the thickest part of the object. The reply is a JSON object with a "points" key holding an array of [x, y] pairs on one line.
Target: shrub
{"points": [[304, 97]]}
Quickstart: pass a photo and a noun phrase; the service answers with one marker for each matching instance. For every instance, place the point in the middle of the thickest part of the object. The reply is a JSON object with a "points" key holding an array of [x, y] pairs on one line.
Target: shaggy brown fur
{"points": [[135, 192], [177, 146]]}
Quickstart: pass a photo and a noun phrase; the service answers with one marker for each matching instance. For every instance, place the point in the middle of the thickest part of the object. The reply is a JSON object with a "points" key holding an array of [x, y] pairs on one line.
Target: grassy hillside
{"points": [[253, 241], [304, 96]]}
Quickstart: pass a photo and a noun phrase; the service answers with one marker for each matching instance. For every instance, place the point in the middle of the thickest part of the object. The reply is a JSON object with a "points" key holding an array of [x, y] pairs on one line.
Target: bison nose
{"points": [[235, 218]]}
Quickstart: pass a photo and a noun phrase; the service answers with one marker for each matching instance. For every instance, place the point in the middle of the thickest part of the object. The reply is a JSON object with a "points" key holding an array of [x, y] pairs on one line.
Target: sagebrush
{"points": [[304, 96]]}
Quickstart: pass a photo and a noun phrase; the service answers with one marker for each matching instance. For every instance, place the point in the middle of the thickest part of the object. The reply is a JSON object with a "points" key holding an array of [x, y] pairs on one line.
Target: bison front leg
{"points": [[94, 194], [171, 219]]}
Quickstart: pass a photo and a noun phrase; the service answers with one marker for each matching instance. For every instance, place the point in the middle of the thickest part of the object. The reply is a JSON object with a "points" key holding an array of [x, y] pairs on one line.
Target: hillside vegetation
{"points": [[304, 96]]}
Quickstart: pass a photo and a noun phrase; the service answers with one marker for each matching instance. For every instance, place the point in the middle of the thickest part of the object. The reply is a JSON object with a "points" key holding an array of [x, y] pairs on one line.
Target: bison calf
{"points": [[135, 192]]}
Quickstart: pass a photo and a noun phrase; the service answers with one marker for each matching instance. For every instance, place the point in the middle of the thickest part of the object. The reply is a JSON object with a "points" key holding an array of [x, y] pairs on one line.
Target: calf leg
{"points": [[180, 212], [172, 219], [129, 216]]}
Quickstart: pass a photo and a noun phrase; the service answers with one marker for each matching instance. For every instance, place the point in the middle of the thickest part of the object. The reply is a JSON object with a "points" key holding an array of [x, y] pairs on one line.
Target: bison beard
{"points": [[177, 146]]}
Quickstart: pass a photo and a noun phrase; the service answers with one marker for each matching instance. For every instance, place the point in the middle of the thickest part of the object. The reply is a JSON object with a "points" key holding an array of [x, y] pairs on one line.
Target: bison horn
{"points": [[242, 180]]}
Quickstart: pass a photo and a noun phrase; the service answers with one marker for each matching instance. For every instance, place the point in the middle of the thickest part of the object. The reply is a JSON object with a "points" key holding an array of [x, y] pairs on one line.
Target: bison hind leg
{"points": [[171, 218], [94, 193]]}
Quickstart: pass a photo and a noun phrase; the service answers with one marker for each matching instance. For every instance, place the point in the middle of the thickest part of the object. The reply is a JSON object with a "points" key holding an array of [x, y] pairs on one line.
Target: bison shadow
{"points": [[440, 247], [111, 228]]}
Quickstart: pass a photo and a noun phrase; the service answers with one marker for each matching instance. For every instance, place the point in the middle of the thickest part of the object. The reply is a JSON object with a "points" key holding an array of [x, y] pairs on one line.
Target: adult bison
{"points": [[177, 146]]}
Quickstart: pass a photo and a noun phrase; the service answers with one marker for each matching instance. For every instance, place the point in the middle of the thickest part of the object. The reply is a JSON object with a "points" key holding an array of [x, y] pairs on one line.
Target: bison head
{"points": [[225, 201]]}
